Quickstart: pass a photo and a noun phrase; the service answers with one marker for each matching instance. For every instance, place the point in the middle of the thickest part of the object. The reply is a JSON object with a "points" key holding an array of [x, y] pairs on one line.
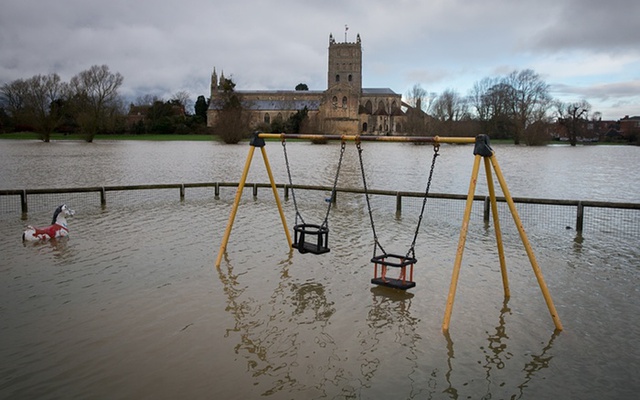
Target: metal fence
{"points": [[585, 217]]}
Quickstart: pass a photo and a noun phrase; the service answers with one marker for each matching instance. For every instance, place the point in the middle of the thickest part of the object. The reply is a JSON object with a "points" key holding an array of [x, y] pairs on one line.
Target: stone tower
{"points": [[345, 63]]}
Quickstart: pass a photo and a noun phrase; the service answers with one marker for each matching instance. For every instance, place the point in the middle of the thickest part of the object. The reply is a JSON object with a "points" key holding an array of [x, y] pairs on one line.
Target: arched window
{"points": [[364, 127], [279, 117], [337, 77], [398, 128], [334, 101], [381, 106], [344, 102], [350, 77], [369, 107], [267, 118]]}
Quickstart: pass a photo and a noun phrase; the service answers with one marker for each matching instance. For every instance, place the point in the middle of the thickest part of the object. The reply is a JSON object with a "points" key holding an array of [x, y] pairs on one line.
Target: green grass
{"points": [[149, 136]]}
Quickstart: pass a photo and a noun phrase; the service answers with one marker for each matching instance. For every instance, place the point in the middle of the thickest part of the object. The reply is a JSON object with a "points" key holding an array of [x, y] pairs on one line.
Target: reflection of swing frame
{"points": [[482, 150]]}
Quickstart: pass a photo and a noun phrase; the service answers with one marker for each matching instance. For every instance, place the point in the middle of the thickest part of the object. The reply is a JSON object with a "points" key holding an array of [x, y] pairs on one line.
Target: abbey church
{"points": [[344, 108]]}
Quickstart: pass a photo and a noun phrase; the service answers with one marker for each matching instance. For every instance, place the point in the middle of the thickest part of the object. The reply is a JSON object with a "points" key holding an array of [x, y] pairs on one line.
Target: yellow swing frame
{"points": [[482, 151]]}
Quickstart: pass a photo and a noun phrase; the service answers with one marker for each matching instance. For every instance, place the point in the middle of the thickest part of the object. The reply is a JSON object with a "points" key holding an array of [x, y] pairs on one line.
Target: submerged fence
{"points": [[617, 219]]}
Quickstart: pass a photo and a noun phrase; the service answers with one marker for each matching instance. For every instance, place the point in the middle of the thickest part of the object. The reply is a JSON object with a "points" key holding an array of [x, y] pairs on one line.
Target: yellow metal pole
{"points": [[527, 246], [496, 225], [461, 243], [275, 195], [369, 138], [234, 209]]}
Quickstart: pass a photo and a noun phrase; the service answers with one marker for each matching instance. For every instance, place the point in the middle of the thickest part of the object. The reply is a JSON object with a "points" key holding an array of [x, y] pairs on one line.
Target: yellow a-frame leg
{"points": [[483, 150], [255, 142]]}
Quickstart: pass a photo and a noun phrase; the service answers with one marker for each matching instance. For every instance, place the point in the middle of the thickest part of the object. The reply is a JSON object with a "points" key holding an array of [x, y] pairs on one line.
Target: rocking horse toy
{"points": [[58, 227]]}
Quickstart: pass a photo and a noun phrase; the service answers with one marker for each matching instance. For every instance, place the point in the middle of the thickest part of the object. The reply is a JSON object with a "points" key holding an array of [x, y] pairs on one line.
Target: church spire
{"points": [[214, 83]]}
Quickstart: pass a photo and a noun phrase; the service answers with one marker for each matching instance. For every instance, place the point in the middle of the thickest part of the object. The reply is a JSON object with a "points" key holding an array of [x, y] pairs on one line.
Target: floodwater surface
{"points": [[132, 306]]}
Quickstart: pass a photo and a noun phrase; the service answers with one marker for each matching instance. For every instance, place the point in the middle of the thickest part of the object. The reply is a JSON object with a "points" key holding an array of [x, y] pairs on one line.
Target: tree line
{"points": [[90, 104], [516, 106]]}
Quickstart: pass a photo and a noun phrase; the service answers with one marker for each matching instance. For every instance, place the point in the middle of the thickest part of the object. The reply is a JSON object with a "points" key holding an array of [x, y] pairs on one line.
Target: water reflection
{"points": [[390, 318], [497, 357], [58, 248], [272, 335]]}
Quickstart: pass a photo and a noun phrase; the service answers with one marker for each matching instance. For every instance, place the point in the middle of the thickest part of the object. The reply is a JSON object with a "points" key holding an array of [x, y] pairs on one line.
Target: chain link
{"points": [[411, 251], [376, 244], [325, 223], [293, 193]]}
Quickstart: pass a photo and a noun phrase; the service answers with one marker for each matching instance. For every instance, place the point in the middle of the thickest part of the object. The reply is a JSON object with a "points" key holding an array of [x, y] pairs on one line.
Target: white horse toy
{"points": [[58, 227]]}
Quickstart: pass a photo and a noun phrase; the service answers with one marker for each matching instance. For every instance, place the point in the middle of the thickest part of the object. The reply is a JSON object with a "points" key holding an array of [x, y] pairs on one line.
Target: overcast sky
{"points": [[584, 49]]}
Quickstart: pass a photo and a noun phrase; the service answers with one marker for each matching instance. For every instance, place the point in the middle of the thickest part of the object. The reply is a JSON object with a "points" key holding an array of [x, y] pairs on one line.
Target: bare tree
{"points": [[530, 99], [37, 101], [573, 118], [14, 97], [96, 93], [416, 96], [182, 98], [449, 109], [146, 100], [478, 98], [450, 106], [45, 92]]}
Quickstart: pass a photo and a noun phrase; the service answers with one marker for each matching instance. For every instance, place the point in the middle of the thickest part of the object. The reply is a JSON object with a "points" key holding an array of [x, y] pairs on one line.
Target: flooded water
{"points": [[132, 306]]}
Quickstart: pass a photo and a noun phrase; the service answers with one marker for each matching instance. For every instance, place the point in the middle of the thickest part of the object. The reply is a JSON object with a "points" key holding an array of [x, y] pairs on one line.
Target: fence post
{"points": [[182, 191], [286, 192], [216, 191], [23, 201], [487, 209], [580, 217], [255, 190], [398, 203], [103, 197]]}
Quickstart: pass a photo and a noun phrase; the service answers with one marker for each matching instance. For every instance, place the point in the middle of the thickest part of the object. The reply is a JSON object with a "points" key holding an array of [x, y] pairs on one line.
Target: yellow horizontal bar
{"points": [[369, 138]]}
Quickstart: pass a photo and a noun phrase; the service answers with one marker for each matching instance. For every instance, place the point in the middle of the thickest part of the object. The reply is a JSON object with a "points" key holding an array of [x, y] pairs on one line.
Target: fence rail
{"points": [[579, 205]]}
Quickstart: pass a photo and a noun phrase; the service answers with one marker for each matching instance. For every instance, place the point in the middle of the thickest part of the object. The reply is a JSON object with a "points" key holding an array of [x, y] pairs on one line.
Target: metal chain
{"points": [[411, 251], [293, 193], [325, 223], [376, 244]]}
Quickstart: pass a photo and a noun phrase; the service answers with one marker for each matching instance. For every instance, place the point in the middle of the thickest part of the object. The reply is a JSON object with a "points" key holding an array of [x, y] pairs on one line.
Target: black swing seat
{"points": [[311, 238], [396, 261]]}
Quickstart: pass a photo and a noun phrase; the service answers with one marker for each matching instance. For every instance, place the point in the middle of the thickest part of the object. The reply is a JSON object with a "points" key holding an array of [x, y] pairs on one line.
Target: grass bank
{"points": [[149, 136]]}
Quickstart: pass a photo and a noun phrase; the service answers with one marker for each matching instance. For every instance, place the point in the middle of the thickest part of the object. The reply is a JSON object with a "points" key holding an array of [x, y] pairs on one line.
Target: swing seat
{"points": [[395, 261], [311, 238]]}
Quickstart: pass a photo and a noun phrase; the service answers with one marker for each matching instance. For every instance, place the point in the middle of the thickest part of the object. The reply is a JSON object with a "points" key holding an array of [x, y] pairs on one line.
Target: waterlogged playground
{"points": [[328, 291]]}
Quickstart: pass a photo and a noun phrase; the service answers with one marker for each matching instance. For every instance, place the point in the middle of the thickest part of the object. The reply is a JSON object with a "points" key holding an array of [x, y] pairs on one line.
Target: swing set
{"points": [[313, 238]]}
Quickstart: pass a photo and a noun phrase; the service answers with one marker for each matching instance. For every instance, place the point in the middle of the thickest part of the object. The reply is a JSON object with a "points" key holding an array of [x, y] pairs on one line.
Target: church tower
{"points": [[345, 63]]}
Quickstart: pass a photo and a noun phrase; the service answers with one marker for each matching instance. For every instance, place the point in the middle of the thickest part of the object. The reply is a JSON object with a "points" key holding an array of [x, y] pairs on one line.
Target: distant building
{"points": [[344, 108], [630, 127]]}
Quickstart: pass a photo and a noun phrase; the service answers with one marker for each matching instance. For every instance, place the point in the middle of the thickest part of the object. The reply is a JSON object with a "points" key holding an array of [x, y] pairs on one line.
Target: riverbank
{"points": [[149, 136]]}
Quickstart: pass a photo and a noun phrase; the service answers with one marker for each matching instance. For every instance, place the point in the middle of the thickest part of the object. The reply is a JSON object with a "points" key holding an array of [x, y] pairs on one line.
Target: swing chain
{"points": [[411, 252], [293, 193], [325, 223], [366, 196]]}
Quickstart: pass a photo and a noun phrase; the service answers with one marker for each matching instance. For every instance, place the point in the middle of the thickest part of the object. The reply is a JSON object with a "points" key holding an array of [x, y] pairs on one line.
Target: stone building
{"points": [[345, 107]]}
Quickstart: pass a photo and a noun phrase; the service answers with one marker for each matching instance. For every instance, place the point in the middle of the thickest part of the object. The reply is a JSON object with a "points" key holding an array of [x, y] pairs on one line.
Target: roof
{"points": [[301, 92], [378, 91], [274, 105]]}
